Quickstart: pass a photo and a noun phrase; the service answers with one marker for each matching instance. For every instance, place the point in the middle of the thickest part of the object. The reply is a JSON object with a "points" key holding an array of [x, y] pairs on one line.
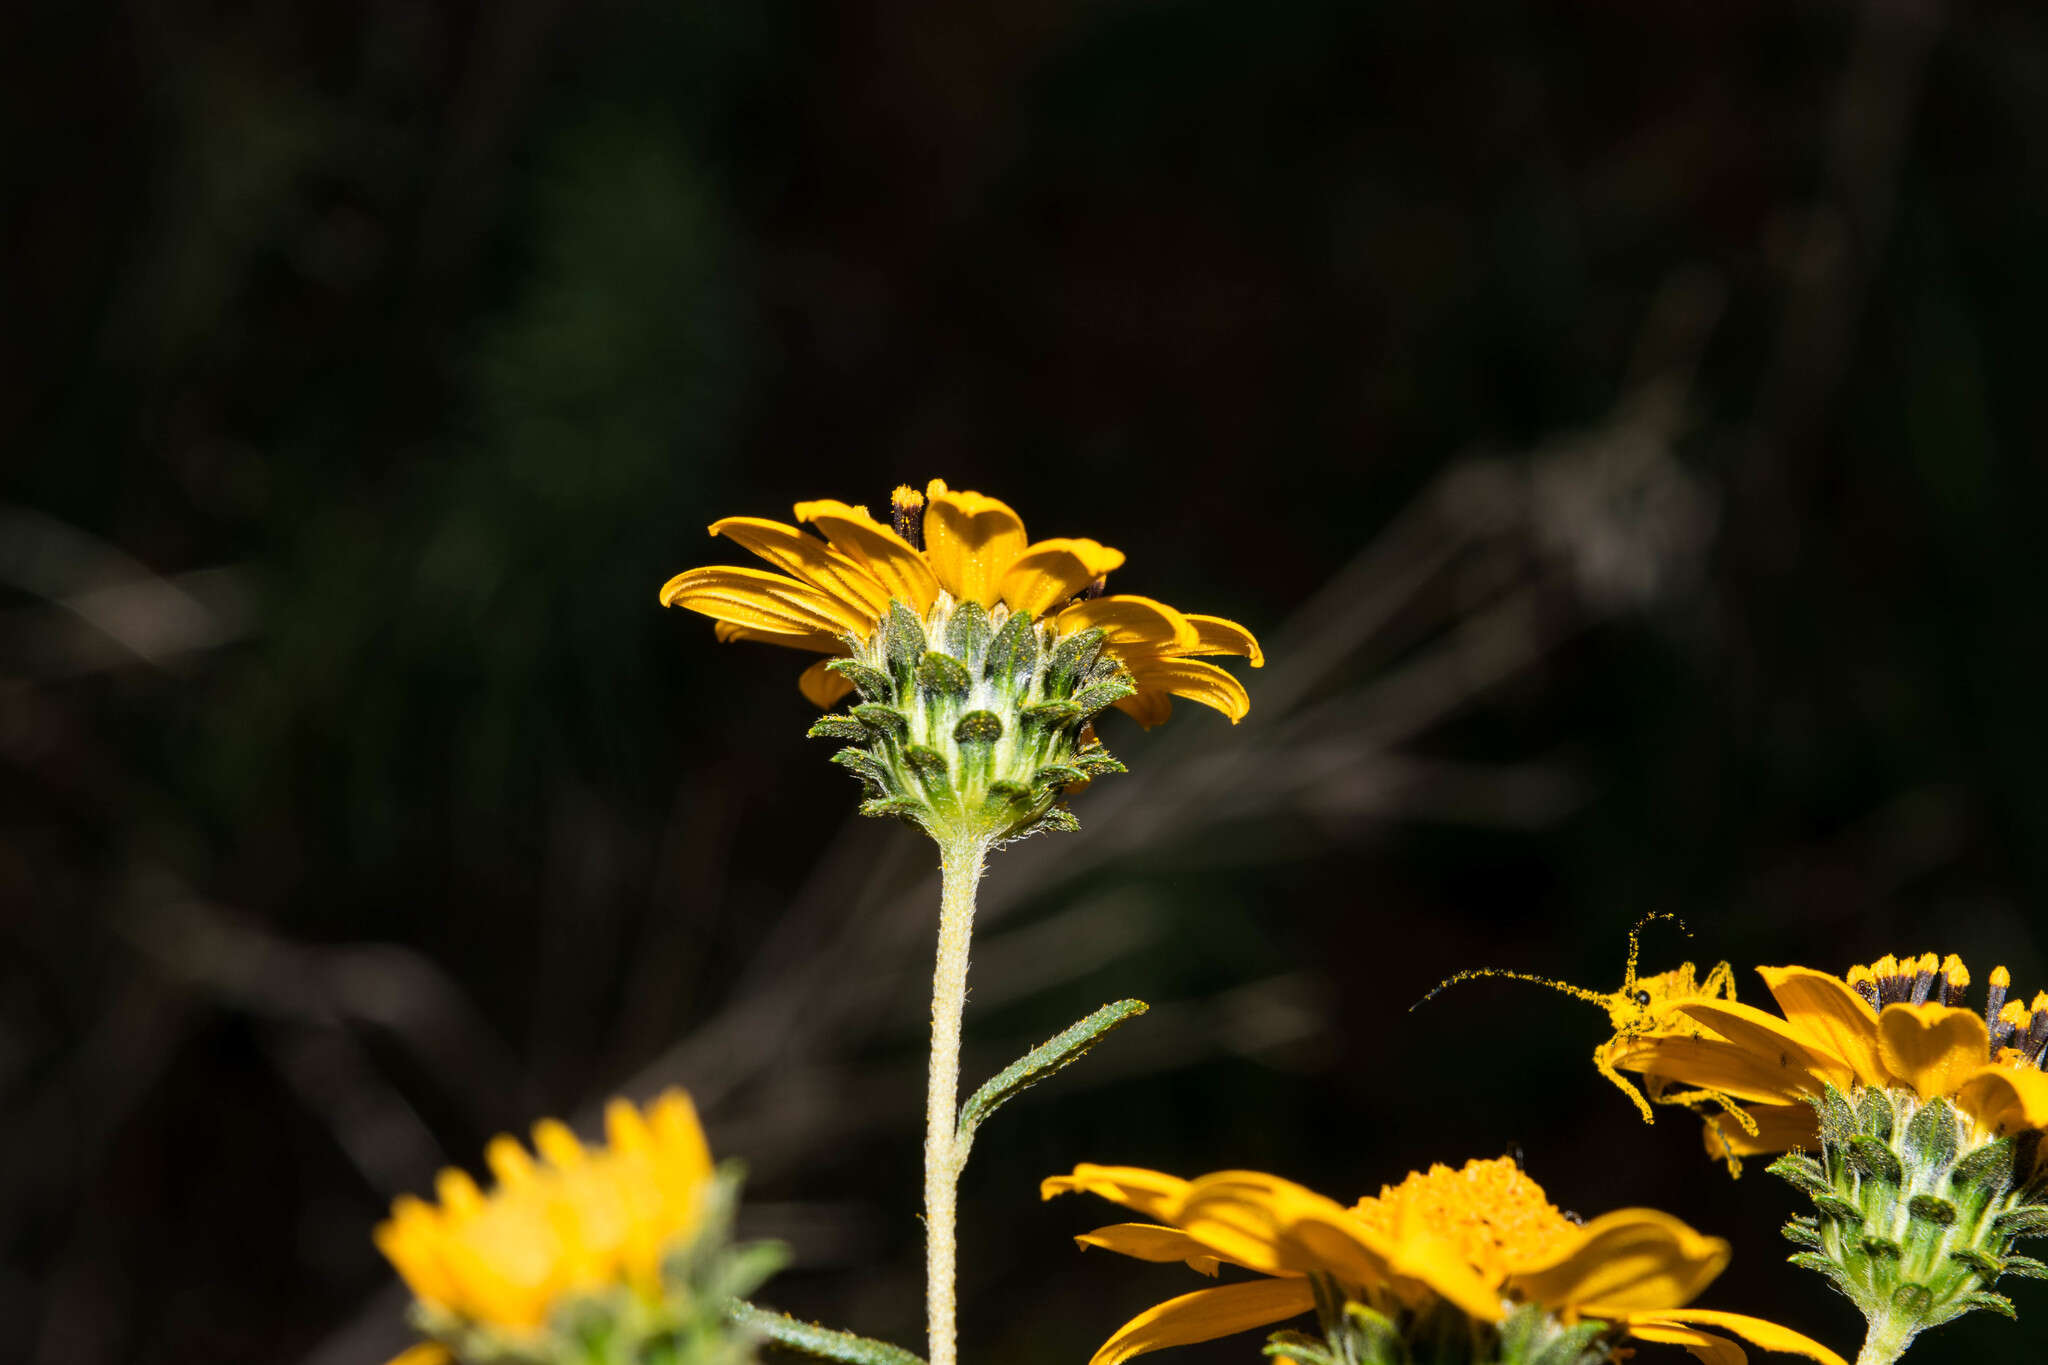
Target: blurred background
{"points": [[1622, 423]]}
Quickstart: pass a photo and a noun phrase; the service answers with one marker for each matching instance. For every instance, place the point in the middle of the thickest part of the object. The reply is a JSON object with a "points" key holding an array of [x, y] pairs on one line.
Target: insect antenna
{"points": [[1473, 974], [1635, 943]]}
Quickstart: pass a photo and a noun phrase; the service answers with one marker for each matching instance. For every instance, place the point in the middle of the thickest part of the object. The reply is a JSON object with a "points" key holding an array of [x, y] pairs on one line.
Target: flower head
{"points": [[1481, 1246], [1927, 1117], [616, 1231], [980, 656]]}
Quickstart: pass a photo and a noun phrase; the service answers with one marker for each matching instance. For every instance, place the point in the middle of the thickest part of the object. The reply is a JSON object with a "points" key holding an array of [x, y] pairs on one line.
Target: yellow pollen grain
{"points": [[1859, 975], [1955, 973], [2015, 1014], [1929, 963], [2040, 1002], [906, 499], [1884, 967], [1493, 1214], [2001, 979]]}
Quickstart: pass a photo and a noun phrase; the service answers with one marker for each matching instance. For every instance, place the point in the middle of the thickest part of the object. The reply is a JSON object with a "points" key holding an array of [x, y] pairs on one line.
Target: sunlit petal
{"points": [[1630, 1259], [809, 560], [1194, 680], [762, 600], [1758, 1332], [1151, 1242], [1775, 1043], [1779, 1128], [822, 688], [1218, 636], [816, 642], [971, 542], [1051, 571], [1824, 1008], [1130, 620], [1206, 1315], [1148, 708], [1933, 1048], [1148, 1192], [887, 557]]}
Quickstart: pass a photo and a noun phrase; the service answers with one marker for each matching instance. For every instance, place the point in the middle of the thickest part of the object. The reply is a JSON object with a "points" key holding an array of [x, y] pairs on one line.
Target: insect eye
{"points": [[1643, 999]]}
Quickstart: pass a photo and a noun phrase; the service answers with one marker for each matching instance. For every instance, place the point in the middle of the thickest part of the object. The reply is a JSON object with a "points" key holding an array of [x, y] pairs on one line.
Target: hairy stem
{"points": [[1887, 1341], [960, 864]]}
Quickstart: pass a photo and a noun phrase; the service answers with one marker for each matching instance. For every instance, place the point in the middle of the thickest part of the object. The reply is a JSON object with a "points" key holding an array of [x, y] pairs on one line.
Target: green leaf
{"points": [[1055, 1053], [843, 728], [808, 1338]]}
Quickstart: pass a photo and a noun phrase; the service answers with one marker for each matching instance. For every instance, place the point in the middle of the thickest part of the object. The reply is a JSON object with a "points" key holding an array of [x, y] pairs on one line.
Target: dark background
{"points": [[1622, 423]]}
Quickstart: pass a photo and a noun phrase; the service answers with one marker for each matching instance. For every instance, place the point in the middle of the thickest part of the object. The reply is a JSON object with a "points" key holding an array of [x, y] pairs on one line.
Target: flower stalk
{"points": [[962, 854]]}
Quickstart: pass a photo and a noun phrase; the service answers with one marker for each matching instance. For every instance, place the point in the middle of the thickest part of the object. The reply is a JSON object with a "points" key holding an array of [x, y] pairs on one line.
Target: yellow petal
{"points": [[2005, 1099], [458, 1193], [1218, 636], [426, 1353], [1768, 1335], [1779, 1128], [509, 1163], [1151, 1193], [1771, 1040], [1051, 571], [888, 557], [762, 600], [1630, 1259], [1130, 620], [1147, 708], [409, 1241], [1150, 1242], [817, 642], [1277, 1227], [1421, 1256], [1826, 1009], [809, 560], [1206, 1315], [679, 1136], [822, 687], [971, 542], [1717, 1064], [1195, 680], [1933, 1048], [1703, 1346], [553, 1140]]}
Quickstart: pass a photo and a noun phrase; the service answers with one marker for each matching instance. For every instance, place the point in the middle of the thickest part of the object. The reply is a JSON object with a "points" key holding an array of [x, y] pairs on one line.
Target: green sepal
{"points": [[1802, 1171], [1826, 1265], [883, 720], [928, 762], [967, 634], [1837, 1119], [1099, 762], [1987, 1266], [1996, 1303], [902, 641], [1802, 1230], [1013, 651], [1988, 1168], [1931, 1208], [1097, 695], [808, 1338], [843, 728], [1876, 1160], [1014, 793], [1071, 658], [1059, 819], [1050, 1057], [1874, 1114], [1835, 1207], [872, 683], [2031, 1221], [1057, 775], [866, 766], [1912, 1301], [1299, 1346], [1873, 1245], [1931, 1139], [978, 727], [2026, 1267], [943, 674], [1051, 715], [895, 808]]}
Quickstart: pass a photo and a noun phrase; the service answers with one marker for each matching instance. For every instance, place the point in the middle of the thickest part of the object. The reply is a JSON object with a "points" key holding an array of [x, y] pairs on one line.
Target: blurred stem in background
{"points": [[961, 858]]}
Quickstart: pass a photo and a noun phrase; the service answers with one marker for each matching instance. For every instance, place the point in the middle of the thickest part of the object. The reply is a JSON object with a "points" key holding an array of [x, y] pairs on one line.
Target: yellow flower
{"points": [[946, 549], [1483, 1241], [578, 1221], [1893, 1025]]}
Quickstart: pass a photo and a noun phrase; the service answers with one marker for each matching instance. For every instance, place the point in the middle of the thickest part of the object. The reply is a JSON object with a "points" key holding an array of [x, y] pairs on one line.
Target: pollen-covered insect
{"points": [[1640, 1009]]}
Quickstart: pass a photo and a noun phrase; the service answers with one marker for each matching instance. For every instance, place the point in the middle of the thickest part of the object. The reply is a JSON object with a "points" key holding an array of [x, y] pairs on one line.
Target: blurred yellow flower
{"points": [[578, 1221], [945, 549], [1483, 1242], [1893, 1025]]}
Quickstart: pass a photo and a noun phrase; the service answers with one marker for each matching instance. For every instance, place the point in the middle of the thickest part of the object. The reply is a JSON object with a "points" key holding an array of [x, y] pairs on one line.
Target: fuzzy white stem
{"points": [[960, 864], [1886, 1342]]}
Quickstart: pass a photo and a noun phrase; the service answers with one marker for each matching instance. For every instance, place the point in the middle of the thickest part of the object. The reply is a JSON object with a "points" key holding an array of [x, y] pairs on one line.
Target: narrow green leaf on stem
{"points": [[1052, 1055], [812, 1340]]}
